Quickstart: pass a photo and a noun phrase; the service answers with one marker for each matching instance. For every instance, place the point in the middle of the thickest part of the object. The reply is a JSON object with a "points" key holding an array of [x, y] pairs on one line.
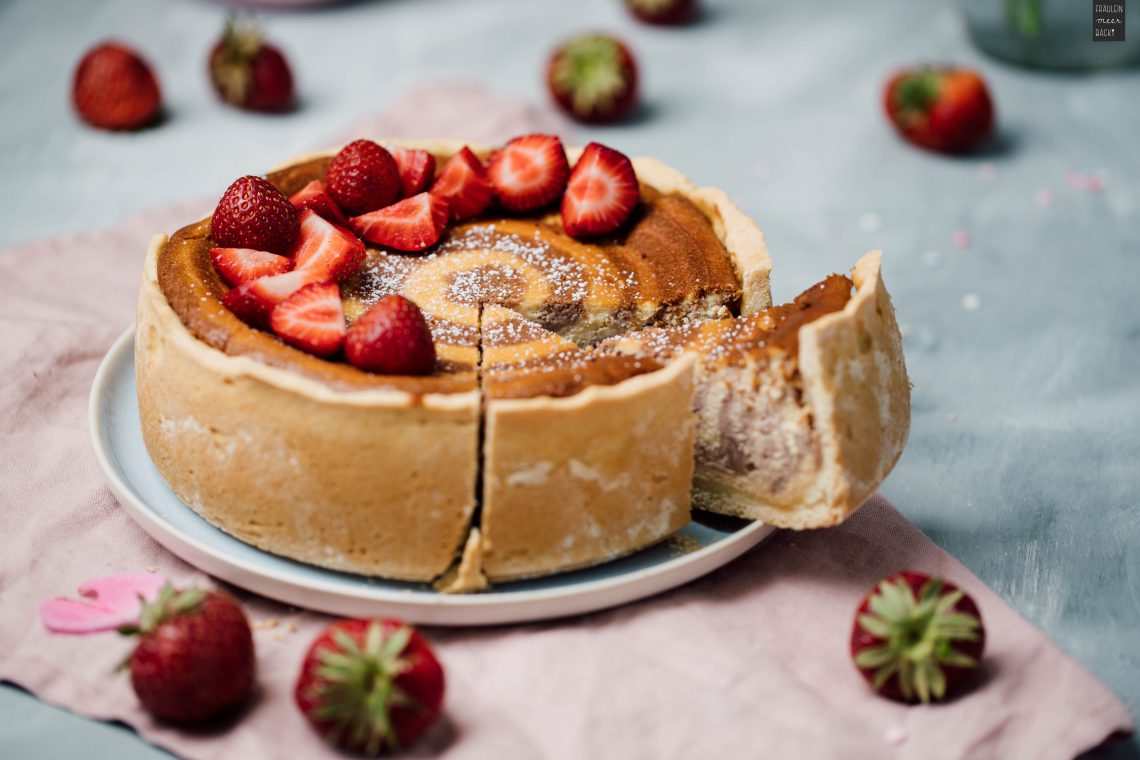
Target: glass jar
{"points": [[1050, 34]]}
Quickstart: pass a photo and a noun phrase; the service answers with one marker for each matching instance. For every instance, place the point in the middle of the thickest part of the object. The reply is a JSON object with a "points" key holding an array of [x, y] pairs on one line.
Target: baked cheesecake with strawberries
{"points": [[430, 361]]}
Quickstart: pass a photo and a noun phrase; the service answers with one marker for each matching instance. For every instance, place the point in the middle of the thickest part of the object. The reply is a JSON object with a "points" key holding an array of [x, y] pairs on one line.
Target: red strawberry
{"points": [[417, 169], [941, 108], [249, 73], [253, 302], [238, 265], [593, 78], [391, 338], [254, 214], [327, 248], [413, 224], [917, 638], [363, 177], [529, 172], [663, 12], [312, 319], [601, 194], [370, 685], [314, 196], [194, 659], [114, 88], [463, 184]]}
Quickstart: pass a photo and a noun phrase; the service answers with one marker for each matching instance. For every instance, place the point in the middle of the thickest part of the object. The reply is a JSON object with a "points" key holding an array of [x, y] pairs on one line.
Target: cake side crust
{"points": [[575, 481], [344, 480]]}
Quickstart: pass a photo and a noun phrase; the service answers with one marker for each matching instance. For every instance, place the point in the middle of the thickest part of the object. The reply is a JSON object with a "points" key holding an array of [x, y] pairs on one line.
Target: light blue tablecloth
{"points": [[1024, 346]]}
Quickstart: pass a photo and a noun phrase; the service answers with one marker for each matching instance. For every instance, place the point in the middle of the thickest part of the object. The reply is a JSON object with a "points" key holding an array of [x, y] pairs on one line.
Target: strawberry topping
{"points": [[413, 224], [238, 265], [312, 319], [529, 172], [391, 338], [601, 194], [464, 185], [363, 177], [253, 302], [327, 248], [417, 169], [252, 213], [314, 196]]}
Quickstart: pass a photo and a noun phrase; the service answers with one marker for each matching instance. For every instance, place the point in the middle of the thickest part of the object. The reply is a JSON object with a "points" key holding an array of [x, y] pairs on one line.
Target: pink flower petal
{"points": [[109, 603], [960, 239]]}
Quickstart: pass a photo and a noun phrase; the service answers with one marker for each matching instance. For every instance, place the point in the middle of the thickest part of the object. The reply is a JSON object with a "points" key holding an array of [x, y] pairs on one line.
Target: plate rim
{"points": [[485, 608]]}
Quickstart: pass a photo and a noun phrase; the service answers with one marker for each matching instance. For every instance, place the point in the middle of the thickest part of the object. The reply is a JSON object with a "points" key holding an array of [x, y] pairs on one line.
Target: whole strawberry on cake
{"points": [[457, 364]]}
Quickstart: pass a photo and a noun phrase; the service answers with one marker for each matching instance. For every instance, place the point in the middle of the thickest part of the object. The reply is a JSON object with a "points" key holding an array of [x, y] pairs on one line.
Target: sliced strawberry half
{"points": [[601, 194], [327, 248], [464, 185], [253, 302], [413, 224], [312, 319], [315, 196], [529, 172], [238, 265], [417, 169]]}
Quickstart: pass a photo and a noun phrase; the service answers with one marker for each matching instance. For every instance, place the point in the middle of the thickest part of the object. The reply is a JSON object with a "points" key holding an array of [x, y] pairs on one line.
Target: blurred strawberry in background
{"points": [[593, 78], [941, 108], [114, 88], [248, 72], [663, 12]]}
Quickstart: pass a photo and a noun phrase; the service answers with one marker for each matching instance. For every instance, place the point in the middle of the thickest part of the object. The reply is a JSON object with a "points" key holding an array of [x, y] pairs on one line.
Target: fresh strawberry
{"points": [[391, 338], [327, 248], [238, 265], [368, 686], [249, 73], [463, 184], [114, 88], [917, 638], [314, 196], [253, 302], [194, 658], [529, 172], [312, 319], [413, 224], [417, 169], [593, 78], [941, 108], [254, 214], [363, 177], [601, 194], [663, 12]]}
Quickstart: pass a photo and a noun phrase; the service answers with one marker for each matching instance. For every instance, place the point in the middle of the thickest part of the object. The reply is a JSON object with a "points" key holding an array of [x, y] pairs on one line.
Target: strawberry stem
{"points": [[356, 687], [918, 637]]}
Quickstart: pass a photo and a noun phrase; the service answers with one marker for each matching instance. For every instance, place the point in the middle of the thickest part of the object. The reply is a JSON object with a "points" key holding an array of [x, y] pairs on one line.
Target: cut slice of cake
{"points": [[803, 409], [585, 457]]}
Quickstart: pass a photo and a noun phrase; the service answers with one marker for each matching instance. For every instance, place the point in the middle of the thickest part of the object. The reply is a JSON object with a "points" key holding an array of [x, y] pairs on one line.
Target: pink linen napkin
{"points": [[750, 661]]}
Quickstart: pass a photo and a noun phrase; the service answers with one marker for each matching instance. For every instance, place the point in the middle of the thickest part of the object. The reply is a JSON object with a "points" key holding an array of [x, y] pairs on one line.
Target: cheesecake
{"points": [[586, 393]]}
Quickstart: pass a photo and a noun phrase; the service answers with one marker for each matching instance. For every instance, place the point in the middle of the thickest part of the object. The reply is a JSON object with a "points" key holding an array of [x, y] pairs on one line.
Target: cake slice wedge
{"points": [[585, 457], [803, 409]]}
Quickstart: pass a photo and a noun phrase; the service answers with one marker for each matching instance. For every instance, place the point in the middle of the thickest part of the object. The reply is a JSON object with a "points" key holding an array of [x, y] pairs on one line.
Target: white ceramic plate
{"points": [[132, 477]]}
